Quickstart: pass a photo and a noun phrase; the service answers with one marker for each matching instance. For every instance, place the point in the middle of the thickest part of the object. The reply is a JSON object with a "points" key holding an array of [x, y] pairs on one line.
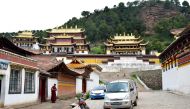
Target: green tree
{"points": [[85, 13], [185, 9], [167, 4], [177, 3], [185, 4]]}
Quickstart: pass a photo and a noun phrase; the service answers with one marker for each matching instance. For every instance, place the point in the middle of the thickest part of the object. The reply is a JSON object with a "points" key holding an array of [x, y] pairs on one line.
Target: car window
{"points": [[99, 88], [117, 87]]}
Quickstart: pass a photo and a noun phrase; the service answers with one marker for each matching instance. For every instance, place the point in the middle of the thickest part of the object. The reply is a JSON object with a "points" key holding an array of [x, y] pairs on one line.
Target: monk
{"points": [[53, 93]]}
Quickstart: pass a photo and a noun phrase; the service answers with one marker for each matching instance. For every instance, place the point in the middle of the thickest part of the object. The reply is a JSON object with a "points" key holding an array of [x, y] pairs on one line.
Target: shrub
{"points": [[78, 95], [87, 96]]}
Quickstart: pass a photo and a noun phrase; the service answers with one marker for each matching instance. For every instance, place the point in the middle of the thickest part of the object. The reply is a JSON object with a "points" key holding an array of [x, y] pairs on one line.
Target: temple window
{"points": [[15, 83], [29, 86]]}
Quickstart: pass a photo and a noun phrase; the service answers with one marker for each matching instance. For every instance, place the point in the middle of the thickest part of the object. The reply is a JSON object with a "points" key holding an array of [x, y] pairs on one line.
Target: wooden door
{"points": [[42, 89], [84, 85]]}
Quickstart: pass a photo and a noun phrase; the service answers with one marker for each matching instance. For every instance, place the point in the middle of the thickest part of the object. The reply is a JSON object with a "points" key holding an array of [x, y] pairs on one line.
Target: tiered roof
{"points": [[25, 34], [125, 39], [67, 30]]}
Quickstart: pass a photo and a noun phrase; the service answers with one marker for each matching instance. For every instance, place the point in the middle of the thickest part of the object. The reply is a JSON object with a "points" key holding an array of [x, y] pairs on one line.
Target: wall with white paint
{"points": [[177, 79], [3, 85], [93, 81], [79, 85], [51, 82], [122, 63], [128, 62], [15, 99]]}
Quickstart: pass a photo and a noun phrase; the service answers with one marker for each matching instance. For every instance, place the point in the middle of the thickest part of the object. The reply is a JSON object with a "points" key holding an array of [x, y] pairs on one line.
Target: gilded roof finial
{"points": [[124, 33], [131, 34], [71, 27], [120, 34], [75, 26], [66, 26], [116, 34]]}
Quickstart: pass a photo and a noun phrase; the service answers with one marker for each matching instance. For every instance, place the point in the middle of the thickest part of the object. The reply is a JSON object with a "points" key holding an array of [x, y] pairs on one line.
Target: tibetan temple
{"points": [[25, 40], [125, 44], [66, 40]]}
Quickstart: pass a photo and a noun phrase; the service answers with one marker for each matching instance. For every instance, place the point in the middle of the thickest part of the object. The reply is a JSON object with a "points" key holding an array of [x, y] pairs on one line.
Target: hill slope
{"points": [[151, 19]]}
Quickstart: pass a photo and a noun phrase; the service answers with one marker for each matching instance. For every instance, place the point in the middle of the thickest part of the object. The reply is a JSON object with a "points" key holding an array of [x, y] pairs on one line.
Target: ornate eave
{"points": [[144, 43], [63, 44], [108, 44], [63, 37]]}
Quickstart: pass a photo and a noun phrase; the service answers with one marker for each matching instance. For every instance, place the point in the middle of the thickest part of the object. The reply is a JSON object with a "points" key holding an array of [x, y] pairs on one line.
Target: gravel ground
{"points": [[153, 100], [60, 104]]}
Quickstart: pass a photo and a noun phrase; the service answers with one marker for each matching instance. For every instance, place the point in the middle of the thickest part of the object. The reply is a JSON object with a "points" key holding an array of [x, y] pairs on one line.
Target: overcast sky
{"points": [[43, 14]]}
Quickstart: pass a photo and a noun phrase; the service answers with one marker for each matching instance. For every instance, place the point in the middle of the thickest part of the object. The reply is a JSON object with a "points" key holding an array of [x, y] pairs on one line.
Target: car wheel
{"points": [[135, 103], [131, 105]]}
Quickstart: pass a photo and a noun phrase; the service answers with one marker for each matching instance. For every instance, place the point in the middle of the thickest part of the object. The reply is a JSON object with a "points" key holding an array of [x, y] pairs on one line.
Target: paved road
{"points": [[153, 100]]}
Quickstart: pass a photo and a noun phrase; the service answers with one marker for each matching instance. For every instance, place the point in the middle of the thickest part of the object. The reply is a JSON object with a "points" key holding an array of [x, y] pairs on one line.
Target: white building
{"points": [[19, 82], [93, 80], [176, 64]]}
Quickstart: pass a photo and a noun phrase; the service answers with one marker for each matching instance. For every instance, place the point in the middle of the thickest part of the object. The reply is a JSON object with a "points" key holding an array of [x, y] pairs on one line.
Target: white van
{"points": [[121, 94]]}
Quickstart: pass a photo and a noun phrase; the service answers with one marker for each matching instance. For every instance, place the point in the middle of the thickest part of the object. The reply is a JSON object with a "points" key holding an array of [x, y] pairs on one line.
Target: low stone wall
{"points": [[152, 78]]}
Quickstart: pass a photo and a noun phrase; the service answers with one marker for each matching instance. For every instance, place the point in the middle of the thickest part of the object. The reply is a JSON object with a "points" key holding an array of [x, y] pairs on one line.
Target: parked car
{"points": [[121, 94], [98, 92]]}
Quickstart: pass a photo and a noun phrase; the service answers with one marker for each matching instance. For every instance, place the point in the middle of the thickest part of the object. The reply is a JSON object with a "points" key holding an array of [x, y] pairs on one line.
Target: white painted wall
{"points": [[36, 46], [3, 85], [177, 79], [14, 99], [89, 85], [93, 81], [78, 85], [51, 82], [128, 62], [123, 62]]}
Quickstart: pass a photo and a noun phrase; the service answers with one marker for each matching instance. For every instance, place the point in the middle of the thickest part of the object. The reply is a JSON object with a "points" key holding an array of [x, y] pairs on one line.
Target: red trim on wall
{"points": [[18, 60]]}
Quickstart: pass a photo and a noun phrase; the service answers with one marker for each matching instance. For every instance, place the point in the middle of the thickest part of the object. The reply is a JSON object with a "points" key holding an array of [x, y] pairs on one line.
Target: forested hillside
{"points": [[151, 19]]}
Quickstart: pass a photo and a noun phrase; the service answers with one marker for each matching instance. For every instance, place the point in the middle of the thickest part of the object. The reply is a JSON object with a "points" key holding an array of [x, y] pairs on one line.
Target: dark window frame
{"points": [[15, 82], [29, 82]]}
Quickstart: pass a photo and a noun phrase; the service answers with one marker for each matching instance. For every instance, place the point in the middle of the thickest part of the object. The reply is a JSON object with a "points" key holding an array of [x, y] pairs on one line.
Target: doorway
{"points": [[43, 89], [84, 85]]}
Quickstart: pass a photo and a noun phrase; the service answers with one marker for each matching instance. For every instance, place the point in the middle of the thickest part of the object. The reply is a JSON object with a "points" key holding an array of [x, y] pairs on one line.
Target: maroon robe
{"points": [[53, 94]]}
